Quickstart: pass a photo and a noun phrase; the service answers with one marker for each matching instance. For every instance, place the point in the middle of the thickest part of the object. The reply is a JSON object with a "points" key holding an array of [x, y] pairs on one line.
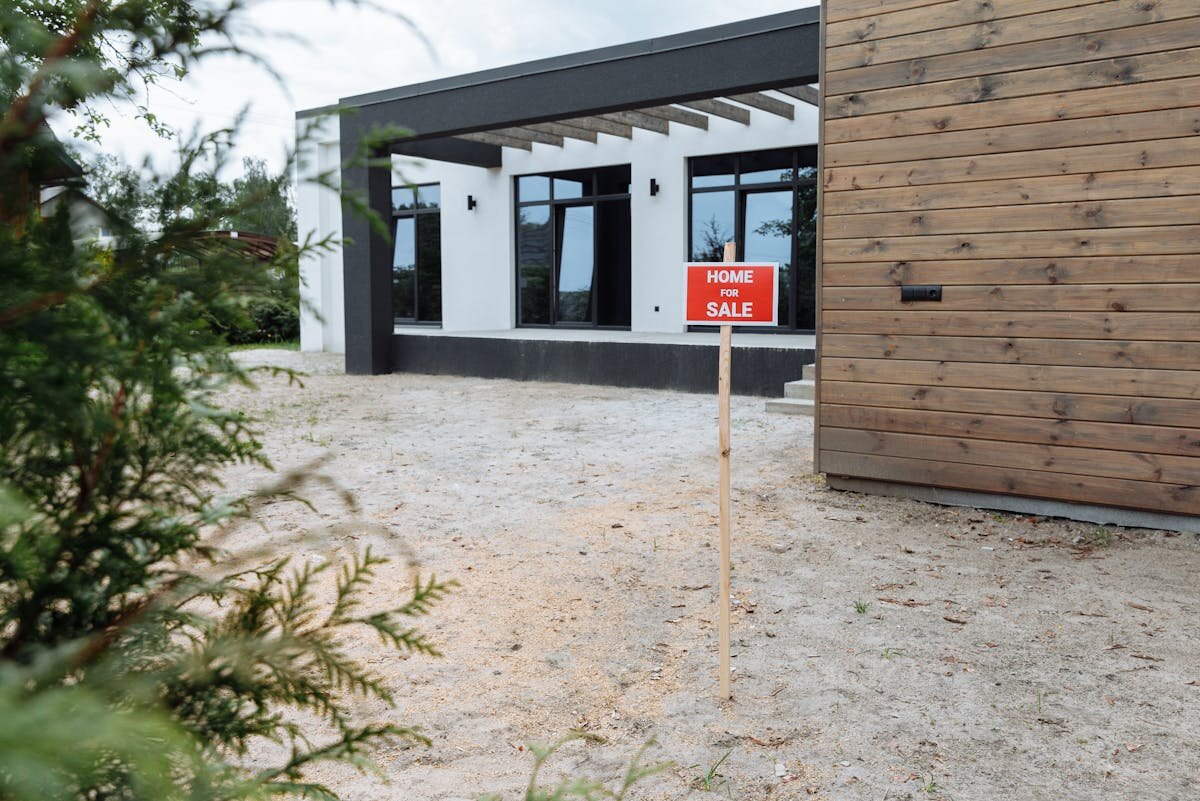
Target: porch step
{"points": [[799, 389], [802, 406], [797, 395]]}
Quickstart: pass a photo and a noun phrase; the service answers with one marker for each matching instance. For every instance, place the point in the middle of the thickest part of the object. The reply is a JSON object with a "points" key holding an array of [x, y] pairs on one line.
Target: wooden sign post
{"points": [[728, 293], [724, 377]]}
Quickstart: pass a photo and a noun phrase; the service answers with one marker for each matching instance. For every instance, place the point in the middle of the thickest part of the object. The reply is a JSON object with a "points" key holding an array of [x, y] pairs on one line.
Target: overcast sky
{"points": [[346, 51]]}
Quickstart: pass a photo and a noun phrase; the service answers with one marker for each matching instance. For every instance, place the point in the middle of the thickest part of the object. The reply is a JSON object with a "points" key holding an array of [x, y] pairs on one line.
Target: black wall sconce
{"points": [[653, 187], [471, 203]]}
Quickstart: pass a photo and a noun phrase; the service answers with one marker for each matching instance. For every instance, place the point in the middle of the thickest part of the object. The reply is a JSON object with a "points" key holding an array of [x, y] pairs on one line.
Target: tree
{"points": [[131, 665], [135, 661], [256, 202]]}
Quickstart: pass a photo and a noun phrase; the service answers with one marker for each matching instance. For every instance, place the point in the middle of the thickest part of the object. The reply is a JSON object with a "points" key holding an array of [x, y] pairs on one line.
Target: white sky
{"points": [[347, 51]]}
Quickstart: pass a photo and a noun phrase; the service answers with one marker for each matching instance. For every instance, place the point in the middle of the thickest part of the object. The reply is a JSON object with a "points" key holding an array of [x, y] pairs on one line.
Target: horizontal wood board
{"points": [[1040, 162]]}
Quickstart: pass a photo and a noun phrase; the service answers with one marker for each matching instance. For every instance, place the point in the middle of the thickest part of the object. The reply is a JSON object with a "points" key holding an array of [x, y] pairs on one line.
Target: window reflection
{"points": [[576, 253], [573, 249], [713, 171], [533, 264], [404, 266], [768, 236], [403, 198], [712, 225], [416, 254], [771, 166], [568, 186], [533, 188], [429, 196]]}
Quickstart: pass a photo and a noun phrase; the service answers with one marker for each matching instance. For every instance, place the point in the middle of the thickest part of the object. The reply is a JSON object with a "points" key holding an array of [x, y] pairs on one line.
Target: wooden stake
{"points": [[724, 370]]}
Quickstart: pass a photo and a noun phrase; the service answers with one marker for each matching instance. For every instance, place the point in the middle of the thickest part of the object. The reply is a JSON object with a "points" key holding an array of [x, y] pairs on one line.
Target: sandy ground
{"points": [[884, 649]]}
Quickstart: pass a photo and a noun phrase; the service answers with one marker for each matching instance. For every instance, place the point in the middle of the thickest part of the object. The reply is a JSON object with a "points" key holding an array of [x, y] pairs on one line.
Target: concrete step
{"points": [[791, 406], [809, 372], [799, 389]]}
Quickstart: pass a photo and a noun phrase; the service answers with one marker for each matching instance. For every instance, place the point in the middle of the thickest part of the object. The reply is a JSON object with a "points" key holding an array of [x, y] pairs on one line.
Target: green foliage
{"points": [[136, 662], [712, 779], [69, 54], [256, 202], [132, 666]]}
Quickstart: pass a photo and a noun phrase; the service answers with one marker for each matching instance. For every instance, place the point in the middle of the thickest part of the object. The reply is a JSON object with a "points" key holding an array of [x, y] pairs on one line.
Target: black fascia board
{"points": [[458, 151], [751, 55]]}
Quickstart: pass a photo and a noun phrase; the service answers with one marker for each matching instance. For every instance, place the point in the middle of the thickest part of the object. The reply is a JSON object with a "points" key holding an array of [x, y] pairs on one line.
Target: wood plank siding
{"points": [[1039, 160]]}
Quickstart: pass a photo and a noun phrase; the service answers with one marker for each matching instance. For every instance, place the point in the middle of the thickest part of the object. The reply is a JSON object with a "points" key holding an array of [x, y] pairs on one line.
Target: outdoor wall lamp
{"points": [[471, 203], [653, 187]]}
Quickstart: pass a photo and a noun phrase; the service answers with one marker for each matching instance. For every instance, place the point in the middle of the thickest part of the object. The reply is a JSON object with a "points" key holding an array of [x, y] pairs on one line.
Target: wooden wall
{"points": [[1040, 159]]}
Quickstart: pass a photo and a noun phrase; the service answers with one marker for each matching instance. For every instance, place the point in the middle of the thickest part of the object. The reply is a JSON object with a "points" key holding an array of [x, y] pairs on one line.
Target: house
{"points": [[994, 249], [544, 233]]}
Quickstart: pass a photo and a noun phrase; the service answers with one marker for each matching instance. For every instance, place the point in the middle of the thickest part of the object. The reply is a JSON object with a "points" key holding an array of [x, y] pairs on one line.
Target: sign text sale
{"points": [[731, 294]]}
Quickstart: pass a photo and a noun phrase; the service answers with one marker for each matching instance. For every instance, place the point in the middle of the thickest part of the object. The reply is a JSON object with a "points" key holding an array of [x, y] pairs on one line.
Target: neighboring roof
{"points": [[51, 163], [261, 246]]}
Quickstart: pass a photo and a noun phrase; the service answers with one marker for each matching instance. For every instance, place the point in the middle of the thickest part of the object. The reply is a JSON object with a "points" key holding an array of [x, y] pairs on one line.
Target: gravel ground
{"points": [[884, 648]]}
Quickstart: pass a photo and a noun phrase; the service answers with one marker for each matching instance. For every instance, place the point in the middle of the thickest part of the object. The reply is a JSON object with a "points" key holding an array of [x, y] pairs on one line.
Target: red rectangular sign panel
{"points": [[732, 293]]}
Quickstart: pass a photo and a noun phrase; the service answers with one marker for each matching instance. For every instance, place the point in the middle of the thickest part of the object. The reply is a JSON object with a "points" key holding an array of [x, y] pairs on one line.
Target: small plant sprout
{"points": [[712, 780], [583, 788], [861, 606]]}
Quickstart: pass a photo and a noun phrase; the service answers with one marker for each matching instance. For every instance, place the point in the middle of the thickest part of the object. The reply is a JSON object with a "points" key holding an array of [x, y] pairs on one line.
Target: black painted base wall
{"points": [[689, 368]]}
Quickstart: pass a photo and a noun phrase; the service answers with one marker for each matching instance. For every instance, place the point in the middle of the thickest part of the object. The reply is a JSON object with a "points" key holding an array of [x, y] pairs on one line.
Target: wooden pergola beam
{"points": [[562, 129], [600, 125], [766, 103], [679, 115], [719, 108], [807, 94], [639, 120], [541, 137]]}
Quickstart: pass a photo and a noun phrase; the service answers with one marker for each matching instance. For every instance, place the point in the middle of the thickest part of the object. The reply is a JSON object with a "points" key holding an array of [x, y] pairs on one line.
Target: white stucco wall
{"points": [[478, 253], [319, 216]]}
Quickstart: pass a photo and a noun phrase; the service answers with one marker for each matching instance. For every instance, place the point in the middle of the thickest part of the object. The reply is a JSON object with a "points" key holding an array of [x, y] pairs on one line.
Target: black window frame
{"points": [[403, 213], [741, 191], [553, 204]]}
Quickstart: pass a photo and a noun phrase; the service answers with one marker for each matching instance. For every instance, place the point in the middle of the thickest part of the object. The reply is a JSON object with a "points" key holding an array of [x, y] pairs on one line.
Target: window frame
{"points": [[740, 192], [554, 204], [413, 213]]}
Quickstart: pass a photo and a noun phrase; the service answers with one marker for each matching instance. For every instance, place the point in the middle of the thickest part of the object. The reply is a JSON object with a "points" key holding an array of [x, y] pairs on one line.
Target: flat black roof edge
{"points": [[318, 111], [809, 15]]}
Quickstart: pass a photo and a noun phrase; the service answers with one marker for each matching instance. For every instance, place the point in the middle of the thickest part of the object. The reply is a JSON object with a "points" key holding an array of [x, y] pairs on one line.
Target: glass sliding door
{"points": [[416, 255], [573, 248]]}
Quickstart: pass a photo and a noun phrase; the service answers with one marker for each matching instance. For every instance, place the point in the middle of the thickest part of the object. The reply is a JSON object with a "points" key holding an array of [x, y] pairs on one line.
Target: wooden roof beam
{"points": [[491, 138], [766, 103], [807, 94], [638, 120], [540, 137], [600, 125], [679, 115], [719, 108], [562, 129]]}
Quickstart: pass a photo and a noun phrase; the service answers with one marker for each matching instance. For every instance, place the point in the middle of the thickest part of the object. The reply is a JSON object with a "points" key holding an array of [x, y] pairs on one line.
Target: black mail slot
{"points": [[921, 292]]}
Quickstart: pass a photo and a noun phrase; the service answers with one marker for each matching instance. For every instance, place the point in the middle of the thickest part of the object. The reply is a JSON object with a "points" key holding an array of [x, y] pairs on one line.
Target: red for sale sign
{"points": [[732, 293]]}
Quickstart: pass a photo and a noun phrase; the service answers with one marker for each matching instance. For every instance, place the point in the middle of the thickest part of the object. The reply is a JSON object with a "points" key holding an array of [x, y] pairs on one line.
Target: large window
{"points": [[417, 254], [573, 262], [766, 202]]}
